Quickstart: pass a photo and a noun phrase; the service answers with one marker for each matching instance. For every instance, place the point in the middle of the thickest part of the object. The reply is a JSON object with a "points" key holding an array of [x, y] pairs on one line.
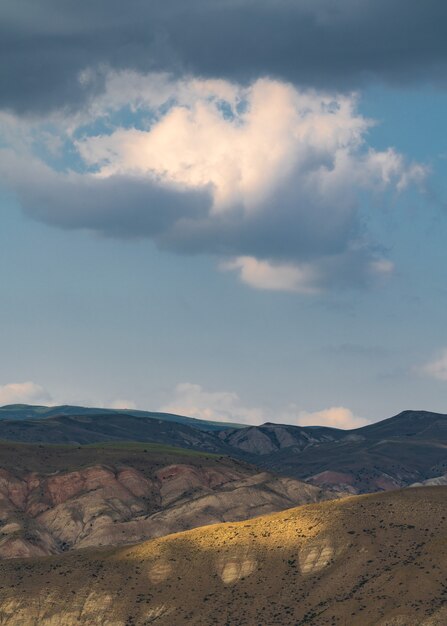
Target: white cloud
{"points": [[267, 177], [193, 400], [122, 404], [24, 393], [275, 276], [334, 417], [247, 154], [307, 278], [437, 368], [222, 406]]}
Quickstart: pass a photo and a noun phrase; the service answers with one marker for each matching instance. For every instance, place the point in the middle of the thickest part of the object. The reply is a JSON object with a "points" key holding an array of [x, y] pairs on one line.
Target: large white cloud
{"points": [[23, 393], [267, 177]]}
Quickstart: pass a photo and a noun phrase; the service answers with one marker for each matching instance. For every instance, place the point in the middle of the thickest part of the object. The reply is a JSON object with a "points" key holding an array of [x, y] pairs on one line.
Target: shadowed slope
{"points": [[376, 560]]}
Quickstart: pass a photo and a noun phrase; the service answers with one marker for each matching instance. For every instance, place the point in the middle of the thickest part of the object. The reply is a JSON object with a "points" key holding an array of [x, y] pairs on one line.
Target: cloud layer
{"points": [[269, 178], [309, 42]]}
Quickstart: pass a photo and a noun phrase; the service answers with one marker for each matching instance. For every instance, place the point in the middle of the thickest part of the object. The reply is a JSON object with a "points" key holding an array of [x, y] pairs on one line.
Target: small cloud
{"points": [[274, 276], [437, 368], [334, 417], [122, 404], [24, 393], [220, 406], [382, 266]]}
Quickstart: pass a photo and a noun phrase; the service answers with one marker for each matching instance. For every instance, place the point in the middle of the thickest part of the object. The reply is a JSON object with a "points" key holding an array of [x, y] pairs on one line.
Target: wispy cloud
{"points": [[436, 368]]}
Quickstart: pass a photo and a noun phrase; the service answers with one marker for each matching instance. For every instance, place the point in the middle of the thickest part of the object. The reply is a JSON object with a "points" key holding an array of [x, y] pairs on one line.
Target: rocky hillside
{"points": [[376, 560], [53, 499], [271, 438]]}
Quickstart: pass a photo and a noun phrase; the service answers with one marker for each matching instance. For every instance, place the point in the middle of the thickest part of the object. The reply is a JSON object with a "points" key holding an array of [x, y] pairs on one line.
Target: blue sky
{"points": [[285, 262]]}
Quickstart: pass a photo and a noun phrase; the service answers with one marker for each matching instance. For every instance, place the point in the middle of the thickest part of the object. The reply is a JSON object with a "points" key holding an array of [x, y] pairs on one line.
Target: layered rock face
{"points": [[112, 504]]}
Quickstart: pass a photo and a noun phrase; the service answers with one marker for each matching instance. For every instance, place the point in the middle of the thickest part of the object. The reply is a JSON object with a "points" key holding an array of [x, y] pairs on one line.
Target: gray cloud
{"points": [[120, 206], [179, 220], [45, 45]]}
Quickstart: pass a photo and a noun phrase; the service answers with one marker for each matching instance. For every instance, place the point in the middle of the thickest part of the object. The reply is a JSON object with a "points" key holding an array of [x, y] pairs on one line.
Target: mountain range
{"points": [[408, 448], [30, 411]]}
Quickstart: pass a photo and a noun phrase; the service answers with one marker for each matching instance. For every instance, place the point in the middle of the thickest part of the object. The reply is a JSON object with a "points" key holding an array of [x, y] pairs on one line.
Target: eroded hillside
{"points": [[376, 560], [53, 498]]}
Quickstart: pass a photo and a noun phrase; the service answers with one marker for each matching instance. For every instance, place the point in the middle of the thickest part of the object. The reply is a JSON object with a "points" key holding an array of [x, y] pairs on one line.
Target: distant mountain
{"points": [[421, 424], [407, 448], [90, 428], [370, 560], [54, 499], [396, 452], [270, 438], [28, 412]]}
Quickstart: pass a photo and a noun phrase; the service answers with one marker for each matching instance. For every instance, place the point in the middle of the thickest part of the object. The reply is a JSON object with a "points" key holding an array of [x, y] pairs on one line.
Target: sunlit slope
{"points": [[375, 560]]}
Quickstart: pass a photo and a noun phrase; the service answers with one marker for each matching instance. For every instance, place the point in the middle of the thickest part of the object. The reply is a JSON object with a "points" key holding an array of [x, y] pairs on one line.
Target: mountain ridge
{"points": [[408, 448], [41, 411]]}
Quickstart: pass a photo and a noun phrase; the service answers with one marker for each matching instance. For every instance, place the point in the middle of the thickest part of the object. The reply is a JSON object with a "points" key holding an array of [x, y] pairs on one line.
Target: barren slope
{"points": [[376, 560], [55, 498]]}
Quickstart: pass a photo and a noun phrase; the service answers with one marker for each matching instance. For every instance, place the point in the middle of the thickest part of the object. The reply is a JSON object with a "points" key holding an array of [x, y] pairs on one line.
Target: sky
{"points": [[225, 209]]}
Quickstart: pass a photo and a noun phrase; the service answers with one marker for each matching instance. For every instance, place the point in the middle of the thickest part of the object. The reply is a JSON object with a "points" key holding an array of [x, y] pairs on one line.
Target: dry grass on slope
{"points": [[371, 560]]}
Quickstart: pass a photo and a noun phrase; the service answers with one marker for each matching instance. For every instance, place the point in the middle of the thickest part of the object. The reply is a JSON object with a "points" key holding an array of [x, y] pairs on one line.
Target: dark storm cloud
{"points": [[45, 44]]}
